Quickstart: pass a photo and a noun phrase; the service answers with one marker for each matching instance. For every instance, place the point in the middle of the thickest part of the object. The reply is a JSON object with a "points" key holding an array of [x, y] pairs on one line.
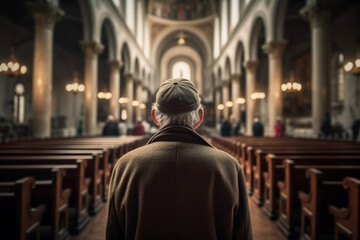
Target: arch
{"points": [[170, 31], [239, 57], [219, 75], [87, 15], [111, 38], [278, 18], [137, 68], [227, 74], [186, 54], [178, 61], [257, 26], [126, 58]]}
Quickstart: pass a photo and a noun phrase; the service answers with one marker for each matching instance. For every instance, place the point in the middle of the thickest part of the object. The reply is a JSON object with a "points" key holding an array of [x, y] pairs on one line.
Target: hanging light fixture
{"points": [[257, 95], [123, 100], [229, 104], [12, 67], [221, 107], [291, 86], [240, 100], [104, 95], [135, 103], [75, 86], [181, 38], [354, 66]]}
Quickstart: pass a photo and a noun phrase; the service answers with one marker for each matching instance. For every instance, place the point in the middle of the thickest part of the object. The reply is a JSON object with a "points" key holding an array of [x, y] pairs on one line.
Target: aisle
{"points": [[263, 228]]}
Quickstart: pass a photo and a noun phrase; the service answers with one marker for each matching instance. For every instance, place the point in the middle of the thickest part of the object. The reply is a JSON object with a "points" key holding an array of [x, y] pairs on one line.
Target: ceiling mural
{"points": [[181, 10]]}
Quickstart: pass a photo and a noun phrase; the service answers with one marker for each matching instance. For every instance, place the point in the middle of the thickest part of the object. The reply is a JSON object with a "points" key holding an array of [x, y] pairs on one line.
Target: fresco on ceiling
{"points": [[180, 9]]}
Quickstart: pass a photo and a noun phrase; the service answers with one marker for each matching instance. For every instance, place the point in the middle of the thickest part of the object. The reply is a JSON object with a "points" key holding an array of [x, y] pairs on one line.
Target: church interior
{"points": [[69, 67]]}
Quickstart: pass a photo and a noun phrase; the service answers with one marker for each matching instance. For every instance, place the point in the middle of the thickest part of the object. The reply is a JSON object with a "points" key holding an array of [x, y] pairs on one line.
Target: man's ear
{"points": [[154, 118], [201, 115]]}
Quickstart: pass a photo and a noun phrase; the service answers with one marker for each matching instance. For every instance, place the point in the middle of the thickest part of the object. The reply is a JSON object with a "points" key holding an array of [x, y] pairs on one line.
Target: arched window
{"points": [[116, 2], [19, 103], [340, 78], [181, 70]]}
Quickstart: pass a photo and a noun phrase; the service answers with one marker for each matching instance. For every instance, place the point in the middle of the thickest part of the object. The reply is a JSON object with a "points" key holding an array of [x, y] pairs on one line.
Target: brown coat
{"points": [[178, 186]]}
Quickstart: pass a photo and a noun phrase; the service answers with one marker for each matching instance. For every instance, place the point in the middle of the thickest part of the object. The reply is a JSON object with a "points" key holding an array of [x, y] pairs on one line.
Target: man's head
{"points": [[177, 103]]}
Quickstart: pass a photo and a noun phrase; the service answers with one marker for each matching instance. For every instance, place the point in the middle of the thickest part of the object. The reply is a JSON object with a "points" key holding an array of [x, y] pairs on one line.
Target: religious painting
{"points": [[180, 10], [299, 103]]}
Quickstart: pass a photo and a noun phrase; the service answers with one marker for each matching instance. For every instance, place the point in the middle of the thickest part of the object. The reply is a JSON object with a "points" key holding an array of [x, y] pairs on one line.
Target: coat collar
{"points": [[178, 134]]}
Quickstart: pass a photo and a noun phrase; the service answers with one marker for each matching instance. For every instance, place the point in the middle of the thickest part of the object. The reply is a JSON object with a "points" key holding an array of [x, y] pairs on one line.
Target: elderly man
{"points": [[178, 186]]}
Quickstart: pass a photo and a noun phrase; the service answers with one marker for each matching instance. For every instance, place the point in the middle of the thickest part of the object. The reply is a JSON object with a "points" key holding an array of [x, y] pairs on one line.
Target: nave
{"points": [[263, 228], [298, 188]]}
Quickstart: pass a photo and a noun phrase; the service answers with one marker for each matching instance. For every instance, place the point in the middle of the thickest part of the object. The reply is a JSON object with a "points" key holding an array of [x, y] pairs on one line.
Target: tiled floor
{"points": [[263, 227]]}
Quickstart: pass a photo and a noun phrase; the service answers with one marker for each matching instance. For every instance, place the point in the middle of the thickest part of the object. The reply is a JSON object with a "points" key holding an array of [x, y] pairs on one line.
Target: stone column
{"points": [[318, 13], [250, 68], [235, 95], [225, 89], [217, 102], [129, 86], [91, 50], [139, 91], [114, 67], [45, 15], [274, 50]]}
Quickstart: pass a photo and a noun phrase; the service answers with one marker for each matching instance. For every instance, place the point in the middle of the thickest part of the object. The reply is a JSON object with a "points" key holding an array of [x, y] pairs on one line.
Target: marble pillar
{"points": [[139, 91], [217, 102], [225, 98], [91, 50], [114, 67], [129, 87], [318, 14], [274, 50], [235, 95], [250, 68], [45, 15]]}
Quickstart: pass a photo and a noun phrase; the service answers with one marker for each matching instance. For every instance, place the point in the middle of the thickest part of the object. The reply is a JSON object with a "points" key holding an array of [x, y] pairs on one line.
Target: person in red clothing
{"points": [[279, 128], [139, 127]]}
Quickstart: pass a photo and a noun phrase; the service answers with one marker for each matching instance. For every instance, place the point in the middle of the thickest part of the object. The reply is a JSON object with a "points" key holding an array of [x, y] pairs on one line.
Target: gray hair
{"points": [[188, 119]]}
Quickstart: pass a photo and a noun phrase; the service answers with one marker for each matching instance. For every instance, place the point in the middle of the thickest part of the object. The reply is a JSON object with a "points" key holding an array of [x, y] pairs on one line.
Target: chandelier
{"points": [[354, 66], [291, 86], [240, 100], [257, 95], [75, 86], [12, 67], [181, 38], [221, 107], [104, 95], [123, 100]]}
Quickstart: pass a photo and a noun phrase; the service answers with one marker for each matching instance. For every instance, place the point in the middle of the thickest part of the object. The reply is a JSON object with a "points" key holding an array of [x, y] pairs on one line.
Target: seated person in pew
{"points": [[178, 185]]}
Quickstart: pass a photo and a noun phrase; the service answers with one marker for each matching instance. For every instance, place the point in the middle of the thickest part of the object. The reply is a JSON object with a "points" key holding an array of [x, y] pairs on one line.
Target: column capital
{"points": [[236, 76], [45, 14], [115, 64], [129, 76], [318, 12], [251, 66], [91, 47], [274, 48], [225, 83]]}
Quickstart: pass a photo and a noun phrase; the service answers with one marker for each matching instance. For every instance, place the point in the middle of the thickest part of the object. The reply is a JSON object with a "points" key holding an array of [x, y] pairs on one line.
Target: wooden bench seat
{"points": [[289, 204], [74, 179], [98, 186], [256, 176], [275, 173], [19, 219], [325, 188], [347, 220]]}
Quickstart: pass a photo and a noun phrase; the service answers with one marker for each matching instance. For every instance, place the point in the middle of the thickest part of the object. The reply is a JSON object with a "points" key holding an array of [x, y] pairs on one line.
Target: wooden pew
{"points": [[289, 204], [74, 179], [93, 170], [18, 219], [325, 188], [108, 154], [257, 182], [49, 190], [275, 173], [347, 220]]}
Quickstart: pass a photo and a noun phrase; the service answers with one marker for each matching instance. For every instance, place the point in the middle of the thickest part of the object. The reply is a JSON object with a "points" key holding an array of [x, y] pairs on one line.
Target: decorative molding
{"points": [[46, 14], [274, 49], [91, 48]]}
